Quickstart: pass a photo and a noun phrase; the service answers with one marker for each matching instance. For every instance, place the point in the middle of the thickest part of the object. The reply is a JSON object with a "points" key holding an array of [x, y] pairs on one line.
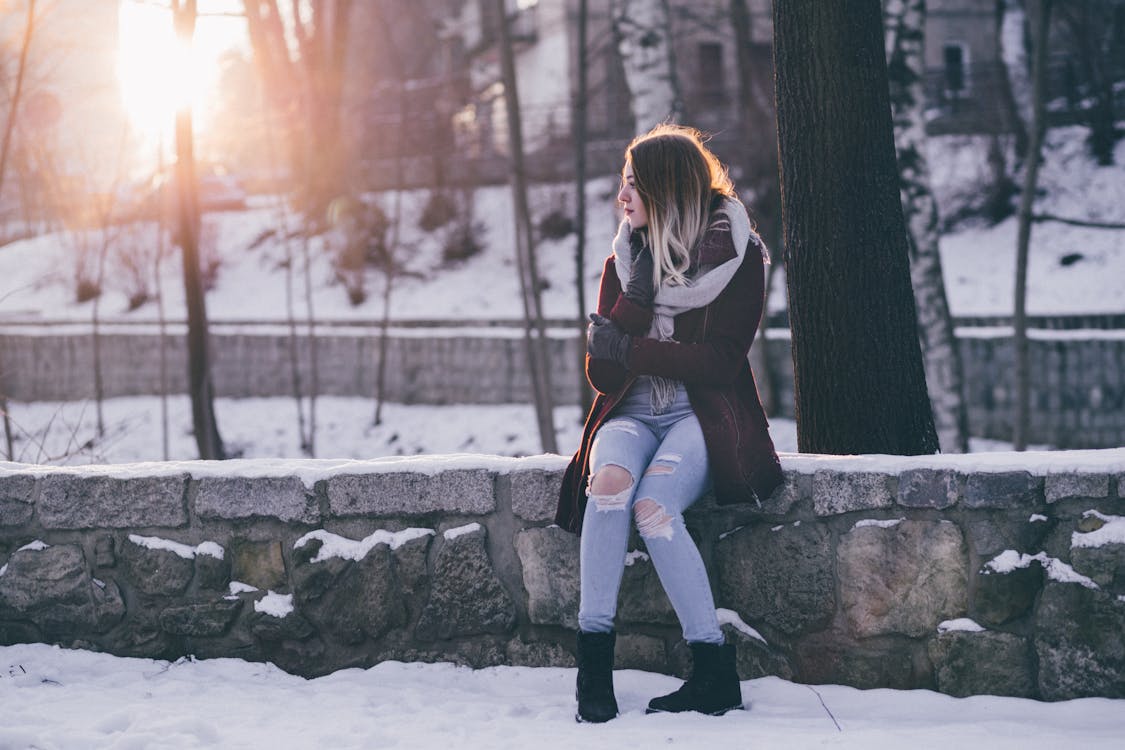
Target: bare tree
{"points": [[9, 127], [905, 22], [535, 335], [1094, 40], [200, 387], [644, 38], [579, 114], [858, 376], [1041, 14]]}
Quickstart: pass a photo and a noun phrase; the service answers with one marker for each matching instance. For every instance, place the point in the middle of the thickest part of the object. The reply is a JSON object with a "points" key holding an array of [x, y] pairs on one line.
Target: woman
{"points": [[677, 410]]}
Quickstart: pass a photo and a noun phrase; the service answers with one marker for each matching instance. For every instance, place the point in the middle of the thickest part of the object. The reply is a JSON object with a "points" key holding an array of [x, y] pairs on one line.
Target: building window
{"points": [[955, 68]]}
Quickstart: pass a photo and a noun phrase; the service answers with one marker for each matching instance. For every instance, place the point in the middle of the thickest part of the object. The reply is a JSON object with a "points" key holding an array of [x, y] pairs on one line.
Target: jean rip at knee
{"points": [[616, 486], [653, 521]]}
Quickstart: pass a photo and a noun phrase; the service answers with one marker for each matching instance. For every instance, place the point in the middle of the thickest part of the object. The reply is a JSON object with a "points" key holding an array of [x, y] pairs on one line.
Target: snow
{"points": [[349, 549], [1112, 533], [730, 617], [882, 524], [56, 698], [36, 546], [1036, 518], [468, 528], [211, 549], [274, 604], [637, 556], [961, 625], [238, 587], [1057, 570]]}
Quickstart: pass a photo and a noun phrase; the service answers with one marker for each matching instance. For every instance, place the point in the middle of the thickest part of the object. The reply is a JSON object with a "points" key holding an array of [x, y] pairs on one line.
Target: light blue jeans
{"points": [[666, 459]]}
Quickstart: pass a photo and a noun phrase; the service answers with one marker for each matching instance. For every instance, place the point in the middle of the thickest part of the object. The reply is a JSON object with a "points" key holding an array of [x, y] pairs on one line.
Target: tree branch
{"points": [[1077, 222]]}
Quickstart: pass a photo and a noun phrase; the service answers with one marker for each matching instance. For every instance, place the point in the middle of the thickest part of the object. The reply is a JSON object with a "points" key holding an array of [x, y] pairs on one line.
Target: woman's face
{"points": [[630, 200]]}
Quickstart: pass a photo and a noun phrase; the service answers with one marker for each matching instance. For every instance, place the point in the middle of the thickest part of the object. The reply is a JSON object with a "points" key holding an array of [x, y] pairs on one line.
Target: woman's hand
{"points": [[640, 289], [604, 340]]}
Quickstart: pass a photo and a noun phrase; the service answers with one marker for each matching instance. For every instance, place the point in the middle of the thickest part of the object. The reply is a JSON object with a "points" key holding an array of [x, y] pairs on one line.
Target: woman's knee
{"points": [[653, 520], [609, 487]]}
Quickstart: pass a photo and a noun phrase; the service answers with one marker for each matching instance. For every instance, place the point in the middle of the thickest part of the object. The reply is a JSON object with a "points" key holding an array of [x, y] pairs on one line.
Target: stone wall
{"points": [[1006, 577], [1077, 392]]}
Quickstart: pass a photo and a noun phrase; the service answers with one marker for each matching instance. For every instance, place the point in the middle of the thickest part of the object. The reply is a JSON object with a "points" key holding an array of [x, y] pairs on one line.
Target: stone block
{"points": [[291, 627], [1009, 490], [756, 659], [520, 653], [787, 494], [410, 563], [159, 572], [642, 599], [836, 492], [835, 658], [782, 576], [52, 588], [16, 496], [1105, 565], [105, 555], [212, 573], [457, 491], [348, 601], [205, 619], [238, 498], [535, 494], [637, 651], [903, 579], [549, 561], [1067, 486], [93, 502], [1003, 597], [991, 536], [259, 564], [985, 663], [1080, 642], [928, 488], [466, 596]]}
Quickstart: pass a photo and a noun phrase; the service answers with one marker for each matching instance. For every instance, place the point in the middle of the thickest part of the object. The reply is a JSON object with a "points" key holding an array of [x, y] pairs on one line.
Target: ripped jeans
{"points": [[667, 453]]}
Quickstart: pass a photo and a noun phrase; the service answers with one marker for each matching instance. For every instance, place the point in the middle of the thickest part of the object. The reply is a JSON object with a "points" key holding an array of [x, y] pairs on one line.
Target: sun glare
{"points": [[158, 73]]}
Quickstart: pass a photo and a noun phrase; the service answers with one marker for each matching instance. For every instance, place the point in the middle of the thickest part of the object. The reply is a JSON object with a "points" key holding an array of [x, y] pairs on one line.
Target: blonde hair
{"points": [[677, 178]]}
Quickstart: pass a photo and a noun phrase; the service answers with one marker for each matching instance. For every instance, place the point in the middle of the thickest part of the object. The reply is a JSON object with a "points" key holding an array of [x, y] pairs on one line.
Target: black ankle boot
{"points": [[596, 702], [712, 688]]}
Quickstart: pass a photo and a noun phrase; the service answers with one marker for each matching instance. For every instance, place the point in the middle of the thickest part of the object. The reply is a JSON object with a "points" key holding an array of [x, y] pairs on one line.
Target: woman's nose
{"points": [[622, 196]]}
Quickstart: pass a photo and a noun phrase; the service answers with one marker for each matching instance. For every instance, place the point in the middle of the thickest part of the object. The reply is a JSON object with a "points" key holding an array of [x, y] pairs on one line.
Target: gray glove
{"points": [[604, 340], [639, 290]]}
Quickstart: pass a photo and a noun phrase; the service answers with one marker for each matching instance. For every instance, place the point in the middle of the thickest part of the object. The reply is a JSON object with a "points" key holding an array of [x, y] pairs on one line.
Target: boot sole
{"points": [[720, 712]]}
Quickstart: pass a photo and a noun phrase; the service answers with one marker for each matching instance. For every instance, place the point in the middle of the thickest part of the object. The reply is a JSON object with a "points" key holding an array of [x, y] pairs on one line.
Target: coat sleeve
{"points": [[731, 321], [606, 376]]}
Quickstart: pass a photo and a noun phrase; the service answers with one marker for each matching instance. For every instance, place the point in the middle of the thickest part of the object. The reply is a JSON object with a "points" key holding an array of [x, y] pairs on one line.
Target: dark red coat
{"points": [[709, 357]]}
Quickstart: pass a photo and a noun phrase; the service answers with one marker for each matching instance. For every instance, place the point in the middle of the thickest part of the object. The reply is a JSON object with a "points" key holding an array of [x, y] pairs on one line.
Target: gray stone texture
{"points": [[836, 492], [990, 536], [756, 659], [638, 651], [238, 498], [458, 491], [259, 564], [410, 563], [348, 601], [783, 578], [291, 627], [535, 493], [466, 596], [642, 598], [985, 663], [834, 657], [16, 496], [1003, 597], [212, 573], [105, 555], [1105, 565], [92, 502], [1080, 642], [1068, 486], [520, 653], [787, 494], [903, 579], [53, 589], [549, 559], [1010, 489], [928, 488], [203, 619], [158, 572]]}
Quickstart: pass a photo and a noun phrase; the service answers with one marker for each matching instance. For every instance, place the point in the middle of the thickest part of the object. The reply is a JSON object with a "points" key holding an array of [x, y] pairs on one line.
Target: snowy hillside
{"points": [[1072, 269]]}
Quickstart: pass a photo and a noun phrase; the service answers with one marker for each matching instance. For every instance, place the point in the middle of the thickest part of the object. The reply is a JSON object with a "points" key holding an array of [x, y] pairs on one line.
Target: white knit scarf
{"points": [[700, 290]]}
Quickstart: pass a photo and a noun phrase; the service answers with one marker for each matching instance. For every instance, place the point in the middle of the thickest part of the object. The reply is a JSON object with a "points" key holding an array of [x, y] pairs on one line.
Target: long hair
{"points": [[677, 178]]}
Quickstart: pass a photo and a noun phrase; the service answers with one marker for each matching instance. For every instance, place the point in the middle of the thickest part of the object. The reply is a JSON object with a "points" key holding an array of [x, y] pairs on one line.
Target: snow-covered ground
{"points": [[53, 698]]}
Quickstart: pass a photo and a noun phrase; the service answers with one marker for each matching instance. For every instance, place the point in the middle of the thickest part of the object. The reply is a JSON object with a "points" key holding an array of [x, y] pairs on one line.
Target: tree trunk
{"points": [[207, 437], [858, 377], [585, 392], [1013, 56], [9, 128], [905, 24], [643, 29], [535, 336], [1041, 16]]}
